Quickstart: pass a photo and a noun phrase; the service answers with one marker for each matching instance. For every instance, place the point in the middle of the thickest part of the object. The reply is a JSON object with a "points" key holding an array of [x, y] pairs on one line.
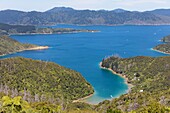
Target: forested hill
{"points": [[8, 45], [39, 86], [46, 80], [62, 15], [151, 87]]}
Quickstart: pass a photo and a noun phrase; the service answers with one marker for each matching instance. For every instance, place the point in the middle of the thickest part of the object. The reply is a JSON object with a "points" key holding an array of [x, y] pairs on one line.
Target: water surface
{"points": [[83, 52]]}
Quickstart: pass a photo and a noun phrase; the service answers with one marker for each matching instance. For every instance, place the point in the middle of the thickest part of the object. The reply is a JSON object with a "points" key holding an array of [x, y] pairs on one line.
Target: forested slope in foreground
{"points": [[37, 83], [150, 78], [42, 84]]}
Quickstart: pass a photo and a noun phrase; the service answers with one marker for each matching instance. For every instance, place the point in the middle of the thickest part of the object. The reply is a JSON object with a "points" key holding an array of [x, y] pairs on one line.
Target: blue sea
{"points": [[84, 51]]}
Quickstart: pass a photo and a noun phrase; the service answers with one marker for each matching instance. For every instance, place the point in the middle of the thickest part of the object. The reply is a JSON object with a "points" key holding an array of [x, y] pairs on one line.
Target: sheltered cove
{"points": [[125, 78]]}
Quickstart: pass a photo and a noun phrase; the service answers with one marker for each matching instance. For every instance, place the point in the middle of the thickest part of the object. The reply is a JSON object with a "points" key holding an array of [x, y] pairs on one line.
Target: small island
{"points": [[163, 48]]}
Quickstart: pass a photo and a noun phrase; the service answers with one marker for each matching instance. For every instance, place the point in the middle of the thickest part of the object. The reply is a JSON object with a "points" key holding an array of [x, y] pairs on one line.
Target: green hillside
{"points": [[46, 80], [38, 82], [150, 78], [38, 86], [8, 45]]}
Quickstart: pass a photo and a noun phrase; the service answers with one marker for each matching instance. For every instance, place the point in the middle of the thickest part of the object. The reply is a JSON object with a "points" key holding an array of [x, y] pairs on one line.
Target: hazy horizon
{"points": [[43, 5], [81, 9]]}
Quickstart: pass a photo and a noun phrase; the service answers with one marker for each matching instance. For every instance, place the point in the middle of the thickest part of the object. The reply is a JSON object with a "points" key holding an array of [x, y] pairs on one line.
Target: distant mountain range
{"points": [[63, 15], [163, 12]]}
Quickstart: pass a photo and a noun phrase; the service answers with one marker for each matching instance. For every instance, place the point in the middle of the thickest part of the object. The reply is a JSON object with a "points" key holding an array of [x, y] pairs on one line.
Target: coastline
{"points": [[125, 78], [126, 24], [85, 31], [159, 51], [28, 49], [83, 98]]}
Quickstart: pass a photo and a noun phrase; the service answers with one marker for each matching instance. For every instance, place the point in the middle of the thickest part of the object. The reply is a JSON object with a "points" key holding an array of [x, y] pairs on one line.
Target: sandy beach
{"points": [[81, 99], [126, 79], [38, 48]]}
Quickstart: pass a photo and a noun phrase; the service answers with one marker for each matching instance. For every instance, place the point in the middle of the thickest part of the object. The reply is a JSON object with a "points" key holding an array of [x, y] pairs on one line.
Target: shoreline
{"points": [[28, 49], [83, 98], [165, 24], [90, 31], [159, 51], [125, 78]]}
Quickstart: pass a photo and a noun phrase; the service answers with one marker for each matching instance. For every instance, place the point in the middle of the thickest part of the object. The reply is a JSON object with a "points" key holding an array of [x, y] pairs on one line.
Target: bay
{"points": [[84, 51]]}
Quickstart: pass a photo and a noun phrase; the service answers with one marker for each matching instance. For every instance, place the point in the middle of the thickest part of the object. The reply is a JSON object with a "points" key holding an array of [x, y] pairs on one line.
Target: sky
{"points": [[43, 5]]}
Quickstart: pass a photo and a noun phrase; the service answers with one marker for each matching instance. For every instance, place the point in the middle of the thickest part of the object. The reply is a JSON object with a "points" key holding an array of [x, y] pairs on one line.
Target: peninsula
{"points": [[6, 29], [164, 48], [8, 46], [150, 79]]}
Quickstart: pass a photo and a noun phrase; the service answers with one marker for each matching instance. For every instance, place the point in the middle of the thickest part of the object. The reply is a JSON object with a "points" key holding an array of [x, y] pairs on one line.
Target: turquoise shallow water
{"points": [[83, 52]]}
